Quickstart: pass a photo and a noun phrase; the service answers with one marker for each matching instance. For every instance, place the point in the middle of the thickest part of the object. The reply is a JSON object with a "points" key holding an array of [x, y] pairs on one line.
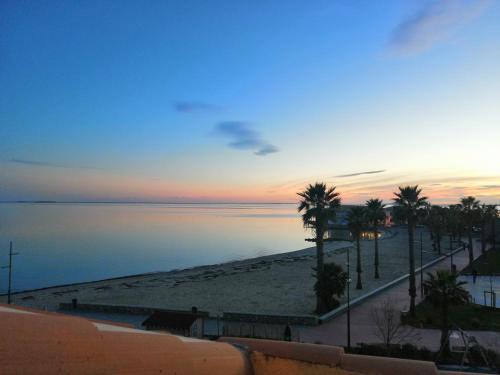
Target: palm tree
{"points": [[456, 220], [443, 290], [493, 214], [319, 205], [375, 215], [435, 221], [411, 203], [487, 215], [449, 225], [356, 221], [470, 206], [483, 216]]}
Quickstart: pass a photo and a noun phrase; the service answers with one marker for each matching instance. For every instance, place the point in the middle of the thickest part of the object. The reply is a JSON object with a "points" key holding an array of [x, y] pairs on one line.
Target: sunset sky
{"points": [[248, 101]]}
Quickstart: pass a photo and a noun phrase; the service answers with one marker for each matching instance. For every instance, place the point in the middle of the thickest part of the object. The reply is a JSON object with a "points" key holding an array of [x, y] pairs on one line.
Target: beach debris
{"points": [[61, 293], [104, 287], [128, 286]]}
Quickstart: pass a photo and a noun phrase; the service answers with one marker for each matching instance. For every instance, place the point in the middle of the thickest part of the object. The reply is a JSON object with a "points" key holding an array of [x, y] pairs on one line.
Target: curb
{"points": [[356, 301]]}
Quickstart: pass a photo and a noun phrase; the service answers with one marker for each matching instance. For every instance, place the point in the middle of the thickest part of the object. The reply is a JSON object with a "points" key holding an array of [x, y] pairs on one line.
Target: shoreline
{"points": [[173, 272], [281, 284], [176, 270]]}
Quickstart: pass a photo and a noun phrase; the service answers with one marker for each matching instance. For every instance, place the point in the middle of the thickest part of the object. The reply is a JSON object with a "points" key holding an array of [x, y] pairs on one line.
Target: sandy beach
{"points": [[274, 284]]}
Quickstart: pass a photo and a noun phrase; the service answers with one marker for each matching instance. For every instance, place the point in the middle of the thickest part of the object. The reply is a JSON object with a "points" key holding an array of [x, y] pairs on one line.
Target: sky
{"points": [[248, 101]]}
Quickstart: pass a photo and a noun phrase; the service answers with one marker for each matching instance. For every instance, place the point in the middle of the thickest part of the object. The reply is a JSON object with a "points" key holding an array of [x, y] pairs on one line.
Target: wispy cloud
{"points": [[435, 22], [490, 187], [242, 137], [36, 163], [360, 173], [195, 107]]}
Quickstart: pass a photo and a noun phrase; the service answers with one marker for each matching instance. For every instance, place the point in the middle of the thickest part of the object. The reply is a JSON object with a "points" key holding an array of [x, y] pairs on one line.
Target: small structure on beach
{"points": [[180, 322], [189, 324]]}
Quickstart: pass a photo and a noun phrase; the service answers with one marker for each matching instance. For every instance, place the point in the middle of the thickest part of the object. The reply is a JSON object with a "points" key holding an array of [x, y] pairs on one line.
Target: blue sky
{"points": [[241, 100]]}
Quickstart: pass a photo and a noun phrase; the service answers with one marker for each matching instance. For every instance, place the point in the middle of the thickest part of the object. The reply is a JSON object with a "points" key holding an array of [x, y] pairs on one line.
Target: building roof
{"points": [[37, 342]]}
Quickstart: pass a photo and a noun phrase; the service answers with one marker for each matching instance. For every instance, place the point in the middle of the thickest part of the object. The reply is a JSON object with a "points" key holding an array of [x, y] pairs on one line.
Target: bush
{"points": [[332, 284]]}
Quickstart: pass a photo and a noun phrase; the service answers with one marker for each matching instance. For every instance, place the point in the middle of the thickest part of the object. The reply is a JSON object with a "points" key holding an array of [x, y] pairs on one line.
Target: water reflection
{"points": [[64, 243]]}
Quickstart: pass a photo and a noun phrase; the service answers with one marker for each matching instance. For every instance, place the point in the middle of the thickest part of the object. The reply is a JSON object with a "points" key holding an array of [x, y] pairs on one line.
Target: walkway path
{"points": [[334, 332]]}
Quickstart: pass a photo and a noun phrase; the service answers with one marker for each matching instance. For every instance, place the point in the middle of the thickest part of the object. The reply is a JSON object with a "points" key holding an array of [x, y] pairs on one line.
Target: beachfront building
{"points": [[338, 229]]}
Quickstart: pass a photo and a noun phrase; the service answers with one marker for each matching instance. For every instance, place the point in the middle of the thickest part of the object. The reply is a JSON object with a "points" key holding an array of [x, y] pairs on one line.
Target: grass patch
{"points": [[486, 264], [468, 317]]}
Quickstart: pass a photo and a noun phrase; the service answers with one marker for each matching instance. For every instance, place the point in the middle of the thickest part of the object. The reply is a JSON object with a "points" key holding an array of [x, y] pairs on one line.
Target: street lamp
{"points": [[348, 303], [11, 254], [421, 268], [421, 265]]}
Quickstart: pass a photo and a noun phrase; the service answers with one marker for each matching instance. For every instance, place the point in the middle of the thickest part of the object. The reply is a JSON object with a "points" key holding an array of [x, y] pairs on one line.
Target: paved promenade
{"points": [[334, 332]]}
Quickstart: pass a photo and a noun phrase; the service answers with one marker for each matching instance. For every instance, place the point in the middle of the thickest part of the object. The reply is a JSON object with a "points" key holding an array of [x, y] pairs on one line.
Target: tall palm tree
{"points": [[493, 215], [457, 220], [356, 221], [449, 225], [411, 203], [444, 290], [435, 221], [487, 216], [470, 206], [483, 218], [375, 215], [319, 205]]}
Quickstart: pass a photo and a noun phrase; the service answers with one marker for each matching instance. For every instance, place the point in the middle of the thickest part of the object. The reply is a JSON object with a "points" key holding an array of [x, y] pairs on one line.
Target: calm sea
{"points": [[65, 242]]}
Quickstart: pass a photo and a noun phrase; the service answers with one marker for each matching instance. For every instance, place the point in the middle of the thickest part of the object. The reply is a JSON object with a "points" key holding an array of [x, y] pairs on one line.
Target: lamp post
{"points": [[348, 303], [421, 265], [451, 256], [11, 254], [421, 268]]}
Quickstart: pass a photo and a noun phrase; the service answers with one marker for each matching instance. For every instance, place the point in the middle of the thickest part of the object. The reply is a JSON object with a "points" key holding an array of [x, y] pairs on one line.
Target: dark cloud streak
{"points": [[242, 137], [360, 173], [194, 107], [35, 163]]}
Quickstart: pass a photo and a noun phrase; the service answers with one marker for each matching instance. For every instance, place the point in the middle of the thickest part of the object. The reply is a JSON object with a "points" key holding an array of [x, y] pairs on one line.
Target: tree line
{"points": [[320, 204]]}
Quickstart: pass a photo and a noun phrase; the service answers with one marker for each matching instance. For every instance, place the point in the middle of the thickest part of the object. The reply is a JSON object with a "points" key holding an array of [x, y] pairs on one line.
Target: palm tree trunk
{"points": [[471, 254], [358, 264], [433, 240], [412, 290], [493, 234], [483, 238], [439, 243], [320, 303], [375, 232], [319, 257], [445, 343]]}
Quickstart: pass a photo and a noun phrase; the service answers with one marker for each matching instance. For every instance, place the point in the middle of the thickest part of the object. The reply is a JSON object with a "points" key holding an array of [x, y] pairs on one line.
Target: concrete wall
{"points": [[260, 330], [279, 358]]}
